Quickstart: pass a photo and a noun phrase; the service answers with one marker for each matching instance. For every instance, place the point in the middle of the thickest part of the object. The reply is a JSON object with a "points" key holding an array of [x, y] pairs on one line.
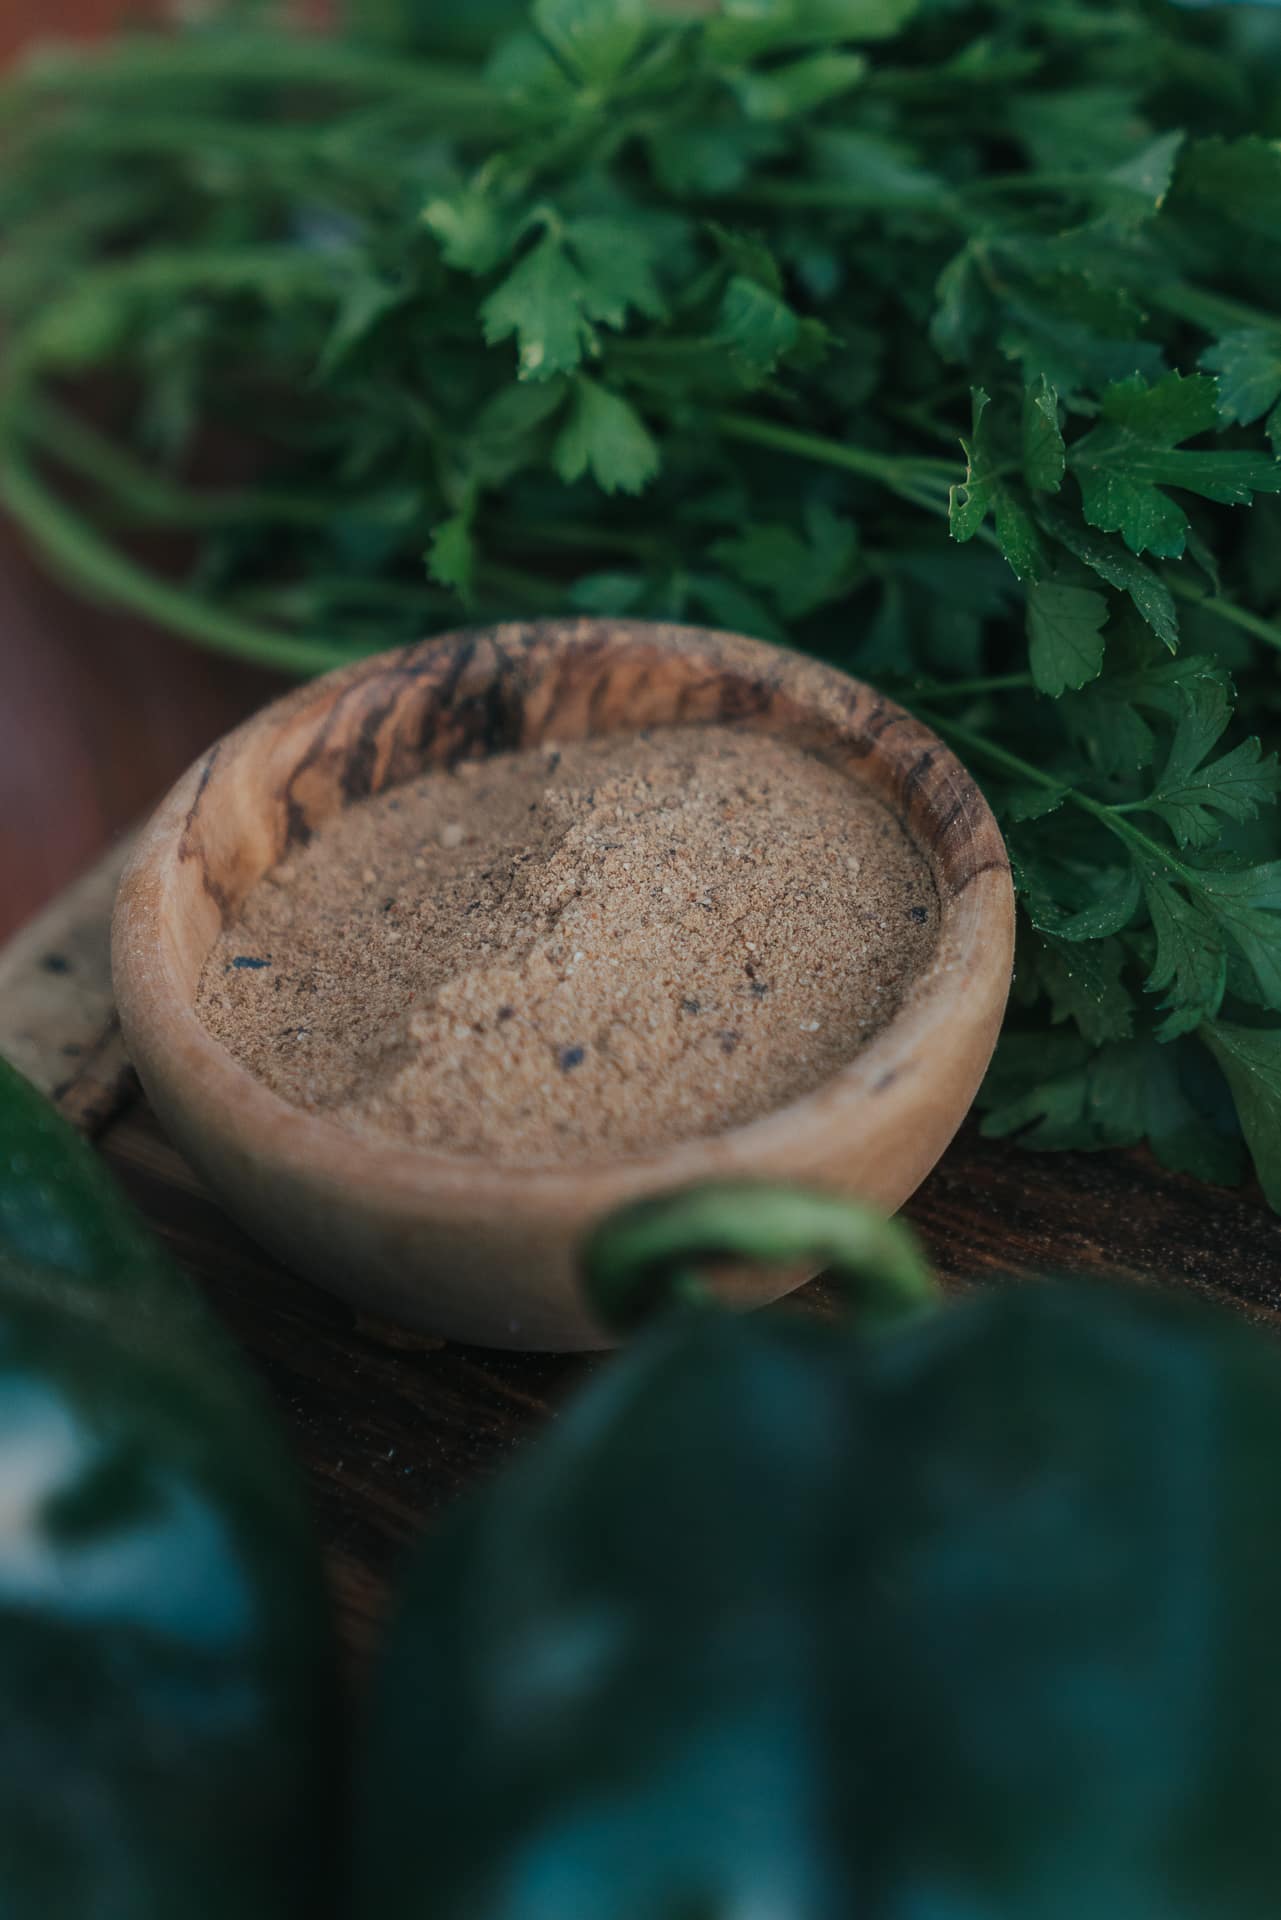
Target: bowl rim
{"points": [[972, 963]]}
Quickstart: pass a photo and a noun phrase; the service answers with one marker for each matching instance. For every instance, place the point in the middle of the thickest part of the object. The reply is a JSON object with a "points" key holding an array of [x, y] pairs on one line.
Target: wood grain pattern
{"points": [[462, 1246], [59, 1014]]}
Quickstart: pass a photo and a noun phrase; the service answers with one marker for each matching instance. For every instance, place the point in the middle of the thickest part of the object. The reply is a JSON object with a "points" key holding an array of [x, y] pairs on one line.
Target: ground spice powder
{"points": [[578, 952]]}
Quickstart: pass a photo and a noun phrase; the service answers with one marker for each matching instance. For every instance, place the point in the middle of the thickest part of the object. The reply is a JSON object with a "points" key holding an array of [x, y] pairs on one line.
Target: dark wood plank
{"points": [[391, 1428]]}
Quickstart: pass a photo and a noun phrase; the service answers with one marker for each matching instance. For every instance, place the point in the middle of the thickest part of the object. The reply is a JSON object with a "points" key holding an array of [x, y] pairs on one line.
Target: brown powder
{"points": [[566, 955]]}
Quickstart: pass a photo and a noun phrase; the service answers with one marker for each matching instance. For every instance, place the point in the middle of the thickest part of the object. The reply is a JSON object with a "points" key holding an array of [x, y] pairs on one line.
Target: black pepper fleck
{"points": [[690, 1006], [571, 1057], [248, 960], [728, 1040], [56, 963], [760, 988]]}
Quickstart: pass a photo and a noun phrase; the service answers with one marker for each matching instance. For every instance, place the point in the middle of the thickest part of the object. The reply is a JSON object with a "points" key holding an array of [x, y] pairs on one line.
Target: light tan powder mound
{"points": [[567, 955]]}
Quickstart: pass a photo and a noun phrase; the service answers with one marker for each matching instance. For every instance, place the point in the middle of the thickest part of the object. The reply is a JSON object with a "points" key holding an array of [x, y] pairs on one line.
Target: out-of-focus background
{"points": [[97, 715]]}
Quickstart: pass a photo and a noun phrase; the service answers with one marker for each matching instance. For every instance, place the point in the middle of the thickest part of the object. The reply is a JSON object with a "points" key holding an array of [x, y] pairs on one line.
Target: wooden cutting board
{"points": [[391, 1426]]}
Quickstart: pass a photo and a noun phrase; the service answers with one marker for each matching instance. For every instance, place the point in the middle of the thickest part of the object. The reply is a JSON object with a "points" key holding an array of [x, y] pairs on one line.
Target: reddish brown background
{"points": [[97, 714]]}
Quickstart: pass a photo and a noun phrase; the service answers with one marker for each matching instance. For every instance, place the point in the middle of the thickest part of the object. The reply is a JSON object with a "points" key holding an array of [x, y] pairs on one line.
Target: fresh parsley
{"points": [[942, 340]]}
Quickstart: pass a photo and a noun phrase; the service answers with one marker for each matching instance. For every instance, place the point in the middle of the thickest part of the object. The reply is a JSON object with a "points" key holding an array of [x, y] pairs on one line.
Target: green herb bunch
{"points": [[938, 339]]}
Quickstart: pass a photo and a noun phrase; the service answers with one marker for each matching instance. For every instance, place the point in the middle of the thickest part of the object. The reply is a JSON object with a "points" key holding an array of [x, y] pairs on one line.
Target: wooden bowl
{"points": [[458, 1245]]}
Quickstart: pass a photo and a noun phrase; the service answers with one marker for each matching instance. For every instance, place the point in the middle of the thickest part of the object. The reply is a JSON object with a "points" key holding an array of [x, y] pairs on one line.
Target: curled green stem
{"points": [[650, 1255], [99, 569], [152, 496]]}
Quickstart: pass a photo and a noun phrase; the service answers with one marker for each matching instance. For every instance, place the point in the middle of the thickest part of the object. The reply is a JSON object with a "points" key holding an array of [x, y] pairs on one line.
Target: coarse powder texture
{"points": [[578, 953]]}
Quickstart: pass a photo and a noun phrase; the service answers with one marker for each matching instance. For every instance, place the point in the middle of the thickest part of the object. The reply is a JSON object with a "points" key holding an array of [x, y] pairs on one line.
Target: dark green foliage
{"points": [[941, 340], [168, 1740]]}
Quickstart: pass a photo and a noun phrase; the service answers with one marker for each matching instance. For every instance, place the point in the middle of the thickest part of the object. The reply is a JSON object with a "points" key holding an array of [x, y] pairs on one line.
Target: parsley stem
{"points": [[893, 471], [960, 689], [1227, 610], [154, 67], [148, 496], [98, 568], [838, 195], [998, 756], [576, 534], [1209, 310]]}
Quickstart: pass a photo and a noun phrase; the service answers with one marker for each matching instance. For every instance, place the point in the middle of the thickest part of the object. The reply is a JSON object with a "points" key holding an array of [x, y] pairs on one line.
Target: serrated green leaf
{"points": [[605, 436], [759, 326], [963, 307], [1193, 796], [608, 593], [984, 491], [473, 232], [1079, 128], [1065, 635], [366, 302], [1072, 351], [744, 29], [510, 430], [1136, 188], [1112, 734], [798, 86], [1248, 366], [1251, 1061], [1246, 901], [888, 171], [1044, 454], [1149, 595], [1111, 912], [595, 39], [1033, 803], [731, 606], [1051, 1092], [1239, 179], [524, 71], [1191, 965], [705, 161], [1084, 984], [541, 302], [1122, 464], [618, 259], [801, 571], [451, 557]]}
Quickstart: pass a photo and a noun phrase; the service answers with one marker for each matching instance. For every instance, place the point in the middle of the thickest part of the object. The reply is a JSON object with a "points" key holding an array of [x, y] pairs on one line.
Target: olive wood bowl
{"points": [[458, 1245]]}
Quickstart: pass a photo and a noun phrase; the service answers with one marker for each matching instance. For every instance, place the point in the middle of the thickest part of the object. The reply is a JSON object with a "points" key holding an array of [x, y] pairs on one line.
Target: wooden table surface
{"points": [[98, 717]]}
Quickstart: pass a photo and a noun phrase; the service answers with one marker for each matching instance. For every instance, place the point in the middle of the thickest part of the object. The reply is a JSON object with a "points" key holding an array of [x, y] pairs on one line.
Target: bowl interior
{"points": [[266, 788]]}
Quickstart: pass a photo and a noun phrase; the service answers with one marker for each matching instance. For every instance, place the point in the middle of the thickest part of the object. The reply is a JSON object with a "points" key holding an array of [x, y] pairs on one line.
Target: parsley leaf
{"points": [[682, 310], [451, 558], [1123, 464], [1251, 1061], [606, 436], [1248, 365], [1190, 968], [985, 491], [542, 303], [1065, 634], [800, 570], [595, 39], [1044, 455], [1191, 792]]}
